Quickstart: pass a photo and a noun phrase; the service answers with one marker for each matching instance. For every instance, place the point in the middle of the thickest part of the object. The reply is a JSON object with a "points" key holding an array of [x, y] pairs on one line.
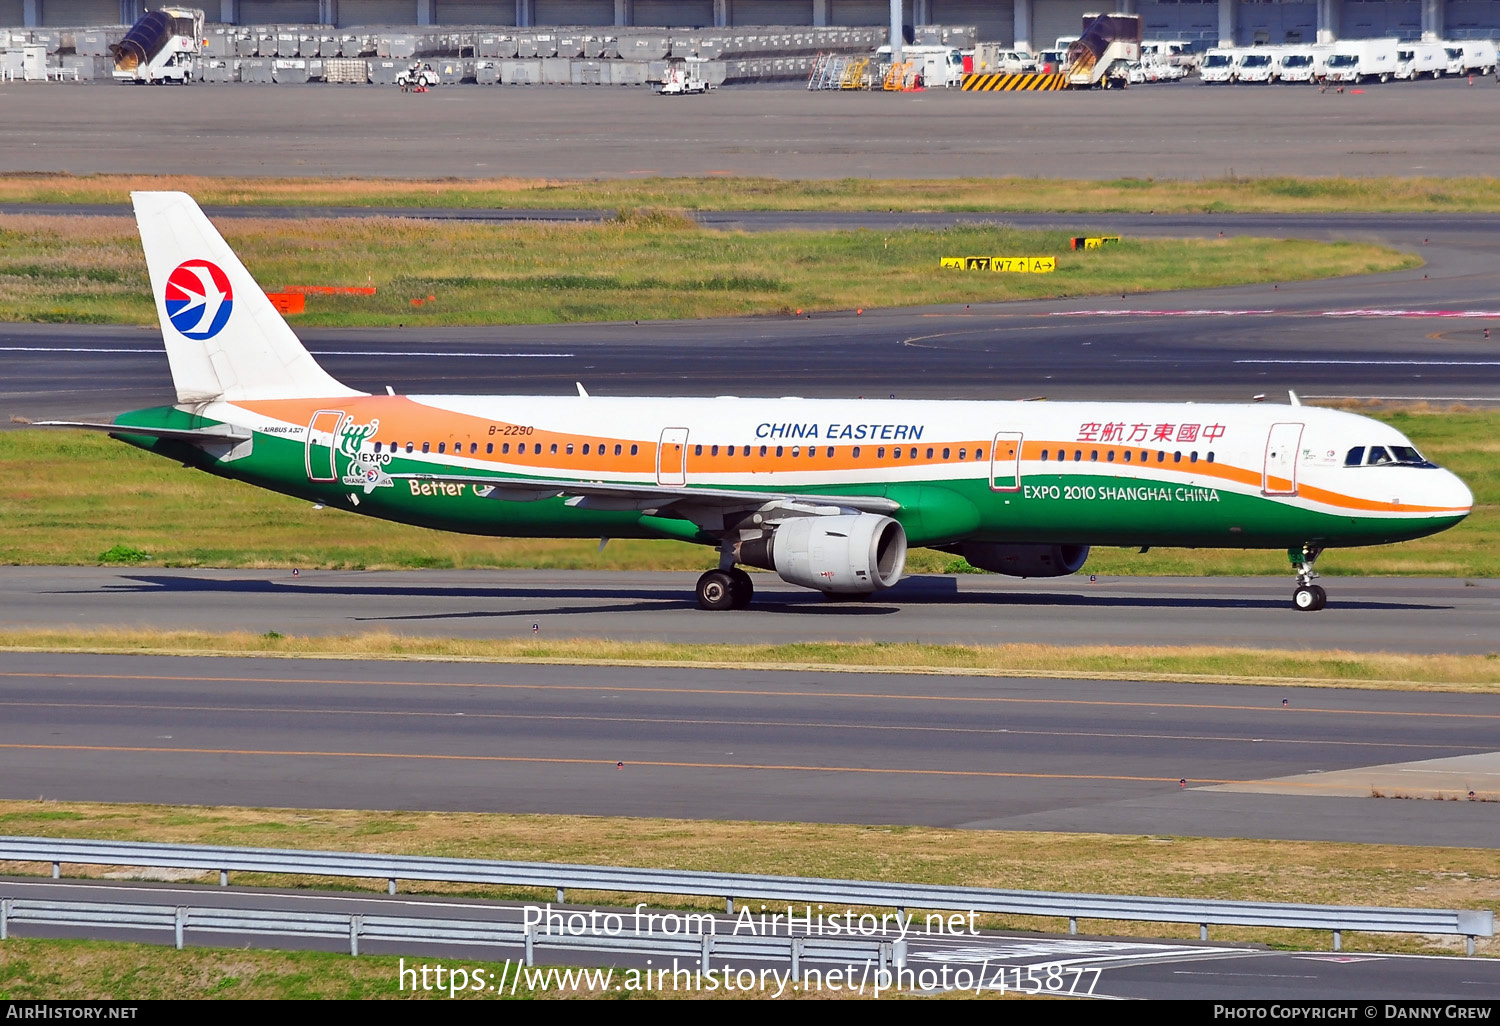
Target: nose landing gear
{"points": [[1308, 597]]}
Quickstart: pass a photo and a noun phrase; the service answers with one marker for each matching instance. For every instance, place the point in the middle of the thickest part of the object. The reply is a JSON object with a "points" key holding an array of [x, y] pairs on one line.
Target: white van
{"points": [[1413, 60], [1176, 52], [1257, 65], [1479, 57], [1218, 67], [1455, 54], [1295, 64], [1358, 60]]}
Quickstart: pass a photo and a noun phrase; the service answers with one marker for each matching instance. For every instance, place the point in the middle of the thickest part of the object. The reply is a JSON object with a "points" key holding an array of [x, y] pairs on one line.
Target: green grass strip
{"points": [[1386, 671], [640, 266]]}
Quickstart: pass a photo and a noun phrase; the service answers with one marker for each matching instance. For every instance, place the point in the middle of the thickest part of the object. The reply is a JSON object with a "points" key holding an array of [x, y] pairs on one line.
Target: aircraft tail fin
{"points": [[224, 339]]}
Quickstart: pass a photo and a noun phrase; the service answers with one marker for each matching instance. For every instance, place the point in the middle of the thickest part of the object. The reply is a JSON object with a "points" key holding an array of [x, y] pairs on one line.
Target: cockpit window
{"points": [[1409, 456], [1386, 456]]}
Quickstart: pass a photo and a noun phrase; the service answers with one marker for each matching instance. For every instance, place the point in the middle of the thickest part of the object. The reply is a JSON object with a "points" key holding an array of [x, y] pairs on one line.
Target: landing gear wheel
{"points": [[716, 590], [1309, 598], [744, 587]]}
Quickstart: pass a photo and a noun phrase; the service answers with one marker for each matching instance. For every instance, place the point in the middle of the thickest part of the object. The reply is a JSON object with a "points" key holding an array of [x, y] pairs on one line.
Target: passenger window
{"points": [[377, 446], [1077, 455], [856, 452], [1161, 457], [1145, 455], [489, 448], [979, 454], [796, 451], [1355, 457], [554, 448], [697, 450], [1094, 456], [963, 454], [713, 450], [585, 448], [880, 453], [1109, 456], [408, 446], [444, 445], [1044, 455], [505, 449], [617, 448], [929, 454], [779, 450], [947, 453], [896, 453], [1379, 457], [634, 449], [830, 452], [913, 453], [473, 448], [1210, 457], [426, 446], [1177, 457], [569, 450], [1193, 456], [1127, 455]]}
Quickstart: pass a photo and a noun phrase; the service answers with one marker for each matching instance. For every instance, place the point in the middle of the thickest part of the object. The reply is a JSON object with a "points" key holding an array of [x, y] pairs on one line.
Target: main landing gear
{"points": [[730, 588], [1309, 597]]}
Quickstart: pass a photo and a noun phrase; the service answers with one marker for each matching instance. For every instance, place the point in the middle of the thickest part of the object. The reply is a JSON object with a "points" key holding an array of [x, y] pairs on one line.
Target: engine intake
{"points": [[1024, 560], [848, 554]]}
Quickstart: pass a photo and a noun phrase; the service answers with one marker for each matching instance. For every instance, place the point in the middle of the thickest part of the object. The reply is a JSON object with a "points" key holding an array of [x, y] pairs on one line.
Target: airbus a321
{"points": [[828, 494]]}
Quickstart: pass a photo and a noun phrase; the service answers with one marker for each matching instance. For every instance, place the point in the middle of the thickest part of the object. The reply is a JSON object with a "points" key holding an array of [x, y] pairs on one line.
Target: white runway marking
{"points": [[315, 352]]}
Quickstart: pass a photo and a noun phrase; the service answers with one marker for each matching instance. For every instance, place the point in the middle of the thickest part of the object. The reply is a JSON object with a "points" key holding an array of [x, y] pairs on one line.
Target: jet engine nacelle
{"points": [[847, 554], [1024, 560]]}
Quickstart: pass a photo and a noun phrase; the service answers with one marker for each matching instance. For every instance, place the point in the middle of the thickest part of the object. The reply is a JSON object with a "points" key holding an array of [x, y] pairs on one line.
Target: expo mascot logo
{"points": [[198, 299]]}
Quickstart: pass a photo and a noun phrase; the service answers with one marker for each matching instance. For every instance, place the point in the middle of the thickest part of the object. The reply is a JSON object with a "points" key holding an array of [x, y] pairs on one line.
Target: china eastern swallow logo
{"points": [[198, 299]]}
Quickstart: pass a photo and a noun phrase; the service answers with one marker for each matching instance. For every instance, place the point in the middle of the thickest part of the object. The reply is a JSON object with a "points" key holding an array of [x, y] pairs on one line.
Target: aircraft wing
{"points": [[215, 433], [610, 496]]}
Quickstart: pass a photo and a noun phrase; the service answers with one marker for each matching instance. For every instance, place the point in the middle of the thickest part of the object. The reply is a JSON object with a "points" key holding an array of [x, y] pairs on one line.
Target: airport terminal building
{"points": [[1032, 24]]}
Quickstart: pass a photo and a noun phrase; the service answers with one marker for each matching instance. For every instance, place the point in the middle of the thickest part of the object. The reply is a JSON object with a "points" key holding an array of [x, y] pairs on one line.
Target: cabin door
{"points": [[1279, 475]]}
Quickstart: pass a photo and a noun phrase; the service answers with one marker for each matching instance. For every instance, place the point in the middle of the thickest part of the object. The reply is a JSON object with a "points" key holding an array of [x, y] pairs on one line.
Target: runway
{"points": [[993, 753], [1363, 614], [1127, 967], [1415, 335]]}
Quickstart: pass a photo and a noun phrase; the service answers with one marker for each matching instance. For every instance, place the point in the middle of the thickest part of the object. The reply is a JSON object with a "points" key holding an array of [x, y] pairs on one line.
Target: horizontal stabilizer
{"points": [[214, 433]]}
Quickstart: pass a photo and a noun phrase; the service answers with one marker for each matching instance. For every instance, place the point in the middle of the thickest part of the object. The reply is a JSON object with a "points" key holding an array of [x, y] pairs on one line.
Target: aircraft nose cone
{"points": [[1458, 493]]}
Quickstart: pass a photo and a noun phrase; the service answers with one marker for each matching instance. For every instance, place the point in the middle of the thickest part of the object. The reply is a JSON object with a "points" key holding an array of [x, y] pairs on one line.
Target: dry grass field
{"points": [[1285, 194]]}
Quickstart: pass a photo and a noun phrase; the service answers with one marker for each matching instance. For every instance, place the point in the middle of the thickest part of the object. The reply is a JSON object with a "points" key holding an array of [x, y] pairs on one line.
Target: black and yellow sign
{"points": [[1085, 242], [996, 82], [1001, 265]]}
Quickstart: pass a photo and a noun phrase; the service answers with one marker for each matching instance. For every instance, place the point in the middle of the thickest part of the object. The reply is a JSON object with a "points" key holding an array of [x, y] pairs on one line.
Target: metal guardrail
{"points": [[706, 947], [563, 877]]}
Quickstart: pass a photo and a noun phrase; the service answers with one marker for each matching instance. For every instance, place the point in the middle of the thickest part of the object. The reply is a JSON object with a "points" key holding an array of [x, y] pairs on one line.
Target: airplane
{"points": [[828, 494]]}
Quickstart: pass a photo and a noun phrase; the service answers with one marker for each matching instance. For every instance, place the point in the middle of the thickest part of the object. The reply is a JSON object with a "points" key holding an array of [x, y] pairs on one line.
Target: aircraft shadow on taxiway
{"points": [[914, 591]]}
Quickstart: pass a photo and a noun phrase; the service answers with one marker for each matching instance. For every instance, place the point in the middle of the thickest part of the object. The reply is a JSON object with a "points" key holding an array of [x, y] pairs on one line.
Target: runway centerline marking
{"points": [[784, 724], [612, 764], [856, 695]]}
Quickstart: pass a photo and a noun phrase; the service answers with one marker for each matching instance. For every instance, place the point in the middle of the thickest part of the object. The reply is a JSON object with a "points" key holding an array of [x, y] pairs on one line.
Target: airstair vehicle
{"points": [[1099, 57], [163, 46]]}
